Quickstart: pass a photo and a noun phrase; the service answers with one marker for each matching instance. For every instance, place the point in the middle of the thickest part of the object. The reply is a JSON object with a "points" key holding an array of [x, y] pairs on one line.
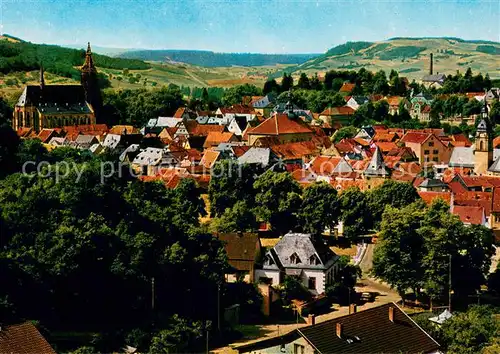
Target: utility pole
{"points": [[153, 293], [449, 285], [218, 307]]}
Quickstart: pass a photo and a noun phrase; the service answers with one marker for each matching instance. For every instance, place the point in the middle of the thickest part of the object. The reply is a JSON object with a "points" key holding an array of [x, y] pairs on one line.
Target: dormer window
{"points": [[269, 260], [313, 260], [294, 259]]}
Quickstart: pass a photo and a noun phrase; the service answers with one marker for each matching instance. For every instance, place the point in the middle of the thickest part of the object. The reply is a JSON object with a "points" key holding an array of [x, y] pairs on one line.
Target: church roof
{"points": [[377, 166], [52, 97]]}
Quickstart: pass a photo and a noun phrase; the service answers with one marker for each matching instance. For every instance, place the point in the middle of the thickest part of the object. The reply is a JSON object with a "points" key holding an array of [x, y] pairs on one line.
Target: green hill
{"points": [[409, 56], [213, 59]]}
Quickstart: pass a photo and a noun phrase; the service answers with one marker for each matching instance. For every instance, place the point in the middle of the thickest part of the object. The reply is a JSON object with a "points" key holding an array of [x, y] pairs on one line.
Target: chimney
{"points": [[311, 320], [339, 330], [391, 314], [353, 308], [431, 65]]}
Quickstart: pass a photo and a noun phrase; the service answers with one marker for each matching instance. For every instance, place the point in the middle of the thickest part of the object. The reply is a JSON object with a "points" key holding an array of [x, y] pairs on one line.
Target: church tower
{"points": [[483, 153], [90, 82]]}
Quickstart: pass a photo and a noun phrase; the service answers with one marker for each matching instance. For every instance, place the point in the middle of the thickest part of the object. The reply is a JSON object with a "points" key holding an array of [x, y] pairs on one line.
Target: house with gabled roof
{"points": [[355, 101], [347, 88], [303, 256], [382, 329], [428, 147], [282, 127], [243, 251]]}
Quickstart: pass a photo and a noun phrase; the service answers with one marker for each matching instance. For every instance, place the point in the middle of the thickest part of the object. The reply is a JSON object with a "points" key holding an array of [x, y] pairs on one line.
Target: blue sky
{"points": [[268, 26]]}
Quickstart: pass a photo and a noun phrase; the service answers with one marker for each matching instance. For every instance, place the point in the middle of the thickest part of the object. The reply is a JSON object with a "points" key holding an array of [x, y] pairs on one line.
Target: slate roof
{"points": [[434, 78], [304, 246], [377, 166], [376, 333], [23, 339], [53, 96], [256, 155], [462, 156], [432, 183], [170, 122]]}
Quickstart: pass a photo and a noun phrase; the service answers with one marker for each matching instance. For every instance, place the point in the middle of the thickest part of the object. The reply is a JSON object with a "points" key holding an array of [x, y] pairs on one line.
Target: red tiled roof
{"points": [[23, 339], [359, 165], [347, 87], [341, 184], [386, 146], [362, 142], [469, 214], [456, 187], [482, 199], [180, 111], [196, 129], [414, 137], [496, 142], [215, 138], [46, 134], [209, 158], [338, 111], [324, 165], [299, 150], [240, 150], [241, 249], [120, 129], [429, 197], [279, 124], [394, 100], [385, 136]]}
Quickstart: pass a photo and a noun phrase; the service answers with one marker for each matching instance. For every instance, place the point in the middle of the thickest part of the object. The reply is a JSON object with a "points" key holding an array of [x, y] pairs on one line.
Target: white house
{"points": [[237, 125], [302, 256], [355, 101]]}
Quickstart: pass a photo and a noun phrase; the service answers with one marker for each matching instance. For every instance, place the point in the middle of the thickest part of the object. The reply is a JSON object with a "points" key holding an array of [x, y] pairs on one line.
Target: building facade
{"points": [[55, 106]]}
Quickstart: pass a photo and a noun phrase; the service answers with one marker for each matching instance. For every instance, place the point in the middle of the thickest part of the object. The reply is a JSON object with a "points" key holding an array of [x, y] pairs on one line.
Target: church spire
{"points": [[89, 61], [377, 167]]}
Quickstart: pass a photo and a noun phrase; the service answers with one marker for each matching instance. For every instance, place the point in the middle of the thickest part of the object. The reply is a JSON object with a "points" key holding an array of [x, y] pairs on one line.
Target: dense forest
{"points": [[25, 56], [213, 59]]}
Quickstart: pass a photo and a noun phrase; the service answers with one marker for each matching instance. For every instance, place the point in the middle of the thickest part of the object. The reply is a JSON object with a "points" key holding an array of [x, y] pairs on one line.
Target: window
{"points": [[431, 143], [298, 349], [313, 260], [435, 152], [312, 283], [435, 159], [269, 260], [294, 259], [426, 152]]}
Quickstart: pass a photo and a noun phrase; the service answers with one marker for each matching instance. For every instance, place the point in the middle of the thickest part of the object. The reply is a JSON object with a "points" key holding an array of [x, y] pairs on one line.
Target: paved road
{"points": [[384, 295]]}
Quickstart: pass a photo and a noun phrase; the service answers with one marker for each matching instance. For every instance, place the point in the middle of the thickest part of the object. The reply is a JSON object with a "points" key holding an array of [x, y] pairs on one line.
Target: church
{"points": [[54, 106]]}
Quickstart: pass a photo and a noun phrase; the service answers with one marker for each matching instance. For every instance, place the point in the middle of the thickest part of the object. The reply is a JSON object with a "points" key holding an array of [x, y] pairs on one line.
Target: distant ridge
{"points": [[477, 41], [214, 59]]}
